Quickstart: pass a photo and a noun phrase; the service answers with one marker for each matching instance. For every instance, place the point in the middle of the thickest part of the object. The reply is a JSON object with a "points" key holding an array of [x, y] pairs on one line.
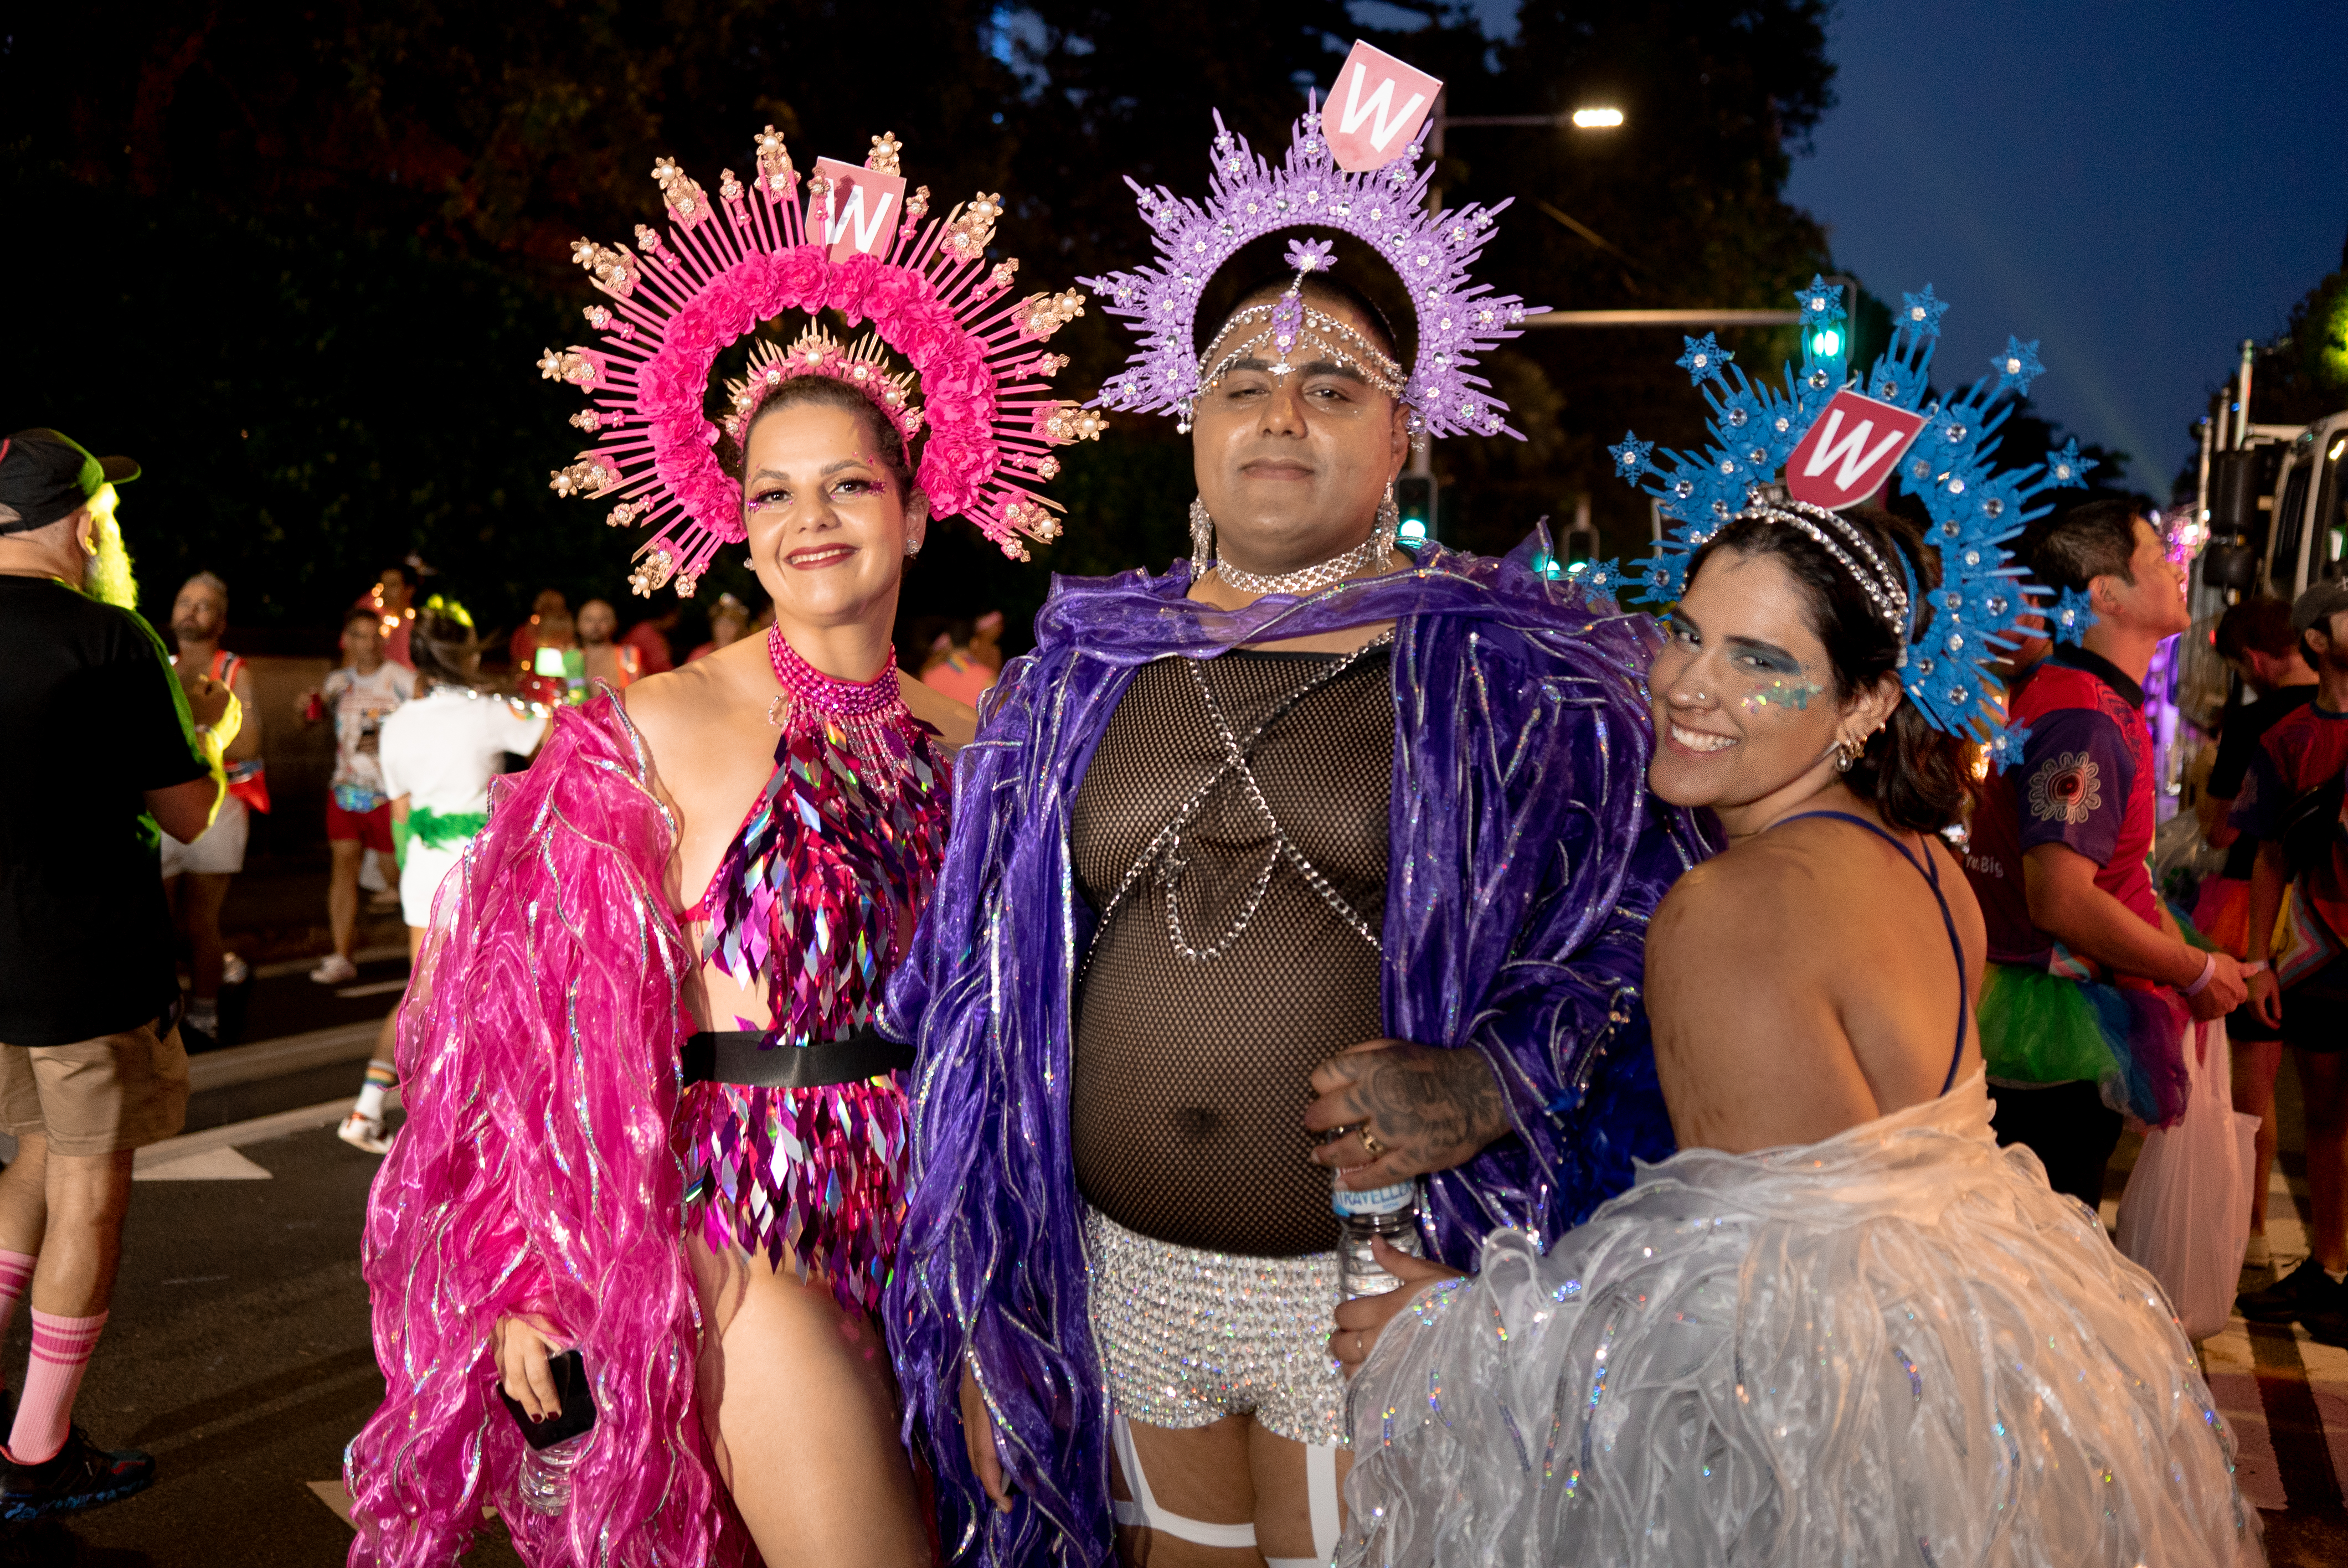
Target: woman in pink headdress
{"points": [[648, 1120]]}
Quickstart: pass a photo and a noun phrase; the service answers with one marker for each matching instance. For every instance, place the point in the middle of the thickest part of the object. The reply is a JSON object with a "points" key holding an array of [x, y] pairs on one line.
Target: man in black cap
{"points": [[91, 1067]]}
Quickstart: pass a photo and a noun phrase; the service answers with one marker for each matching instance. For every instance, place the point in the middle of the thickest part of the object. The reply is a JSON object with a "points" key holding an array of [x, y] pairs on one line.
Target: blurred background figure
{"points": [[195, 875], [649, 638], [729, 618], [964, 659], [357, 697], [603, 658], [393, 598], [554, 668], [2255, 639], [439, 754], [549, 602]]}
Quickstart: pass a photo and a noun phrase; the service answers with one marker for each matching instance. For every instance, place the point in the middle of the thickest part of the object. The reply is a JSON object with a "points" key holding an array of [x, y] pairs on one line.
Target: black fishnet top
{"points": [[1191, 1077]]}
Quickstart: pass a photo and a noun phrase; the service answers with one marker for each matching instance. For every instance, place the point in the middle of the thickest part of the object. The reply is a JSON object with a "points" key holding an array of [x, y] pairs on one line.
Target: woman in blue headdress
{"points": [[1841, 1325]]}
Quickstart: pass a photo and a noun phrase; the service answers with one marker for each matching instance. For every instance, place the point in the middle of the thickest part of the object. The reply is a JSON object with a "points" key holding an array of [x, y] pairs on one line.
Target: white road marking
{"points": [[204, 1166]]}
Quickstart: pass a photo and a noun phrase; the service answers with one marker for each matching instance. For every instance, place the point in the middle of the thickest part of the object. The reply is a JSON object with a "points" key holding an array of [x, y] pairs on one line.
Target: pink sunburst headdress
{"points": [[858, 246]]}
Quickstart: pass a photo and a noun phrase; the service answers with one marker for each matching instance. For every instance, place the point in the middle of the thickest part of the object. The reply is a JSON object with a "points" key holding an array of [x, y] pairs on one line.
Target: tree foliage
{"points": [[302, 261]]}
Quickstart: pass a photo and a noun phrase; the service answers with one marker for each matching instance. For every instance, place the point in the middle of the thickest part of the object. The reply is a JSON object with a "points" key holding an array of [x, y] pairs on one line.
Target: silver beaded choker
{"points": [[1370, 552]]}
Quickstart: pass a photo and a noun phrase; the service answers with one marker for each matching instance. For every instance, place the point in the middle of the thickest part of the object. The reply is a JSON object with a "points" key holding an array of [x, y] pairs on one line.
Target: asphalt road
{"points": [[239, 1350], [238, 1353]]}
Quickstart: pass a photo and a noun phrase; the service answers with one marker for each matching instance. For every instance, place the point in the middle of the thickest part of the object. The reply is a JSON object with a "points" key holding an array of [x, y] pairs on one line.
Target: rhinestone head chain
{"points": [[1457, 318], [783, 243], [1982, 606]]}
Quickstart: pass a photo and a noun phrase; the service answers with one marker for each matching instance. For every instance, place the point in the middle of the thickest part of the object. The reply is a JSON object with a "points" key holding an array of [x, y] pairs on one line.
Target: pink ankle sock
{"points": [[61, 1351], [16, 1279]]}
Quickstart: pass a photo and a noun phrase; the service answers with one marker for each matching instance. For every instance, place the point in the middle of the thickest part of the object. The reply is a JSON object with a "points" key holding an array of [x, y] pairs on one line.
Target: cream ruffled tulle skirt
{"points": [[1897, 1346]]}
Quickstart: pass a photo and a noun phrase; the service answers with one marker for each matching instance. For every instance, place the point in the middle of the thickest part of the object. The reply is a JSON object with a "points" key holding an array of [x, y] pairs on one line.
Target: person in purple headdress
{"points": [[651, 1180], [1312, 856]]}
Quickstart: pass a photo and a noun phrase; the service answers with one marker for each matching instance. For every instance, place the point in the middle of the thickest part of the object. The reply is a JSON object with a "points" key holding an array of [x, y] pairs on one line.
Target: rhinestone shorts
{"points": [[1187, 1338]]}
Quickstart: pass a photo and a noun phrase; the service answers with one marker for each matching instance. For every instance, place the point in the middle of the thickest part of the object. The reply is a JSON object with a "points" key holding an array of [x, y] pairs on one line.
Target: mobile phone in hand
{"points": [[578, 1412]]}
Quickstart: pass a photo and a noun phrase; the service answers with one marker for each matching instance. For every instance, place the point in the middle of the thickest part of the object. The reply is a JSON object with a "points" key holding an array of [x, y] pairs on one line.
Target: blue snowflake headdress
{"points": [[1947, 639], [1385, 208]]}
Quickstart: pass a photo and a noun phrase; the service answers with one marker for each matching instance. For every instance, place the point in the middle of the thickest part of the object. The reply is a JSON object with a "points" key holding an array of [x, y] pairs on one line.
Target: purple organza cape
{"points": [[539, 1049], [1526, 859]]}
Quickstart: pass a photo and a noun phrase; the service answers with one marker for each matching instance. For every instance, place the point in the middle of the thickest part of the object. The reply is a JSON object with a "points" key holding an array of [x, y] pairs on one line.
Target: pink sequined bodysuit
{"points": [[816, 900]]}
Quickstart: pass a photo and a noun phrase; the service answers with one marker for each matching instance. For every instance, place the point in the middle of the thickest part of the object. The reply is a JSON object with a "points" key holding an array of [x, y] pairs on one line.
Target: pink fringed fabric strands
{"points": [[819, 893], [537, 1174]]}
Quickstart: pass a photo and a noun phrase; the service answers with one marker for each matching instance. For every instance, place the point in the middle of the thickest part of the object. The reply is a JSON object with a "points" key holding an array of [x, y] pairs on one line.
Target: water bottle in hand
{"points": [[1364, 1217], [545, 1479]]}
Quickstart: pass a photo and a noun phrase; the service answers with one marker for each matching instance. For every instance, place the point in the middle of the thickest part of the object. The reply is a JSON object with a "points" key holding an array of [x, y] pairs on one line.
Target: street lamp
{"points": [[1597, 119]]}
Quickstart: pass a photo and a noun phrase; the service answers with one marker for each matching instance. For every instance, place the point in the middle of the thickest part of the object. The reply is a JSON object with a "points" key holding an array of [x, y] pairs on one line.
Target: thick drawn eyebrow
{"points": [[829, 471], [1318, 367]]}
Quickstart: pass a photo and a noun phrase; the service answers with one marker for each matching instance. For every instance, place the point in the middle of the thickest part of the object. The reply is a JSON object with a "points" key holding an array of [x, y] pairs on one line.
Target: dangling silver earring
{"points": [[1389, 513], [1846, 753], [1202, 540], [912, 544]]}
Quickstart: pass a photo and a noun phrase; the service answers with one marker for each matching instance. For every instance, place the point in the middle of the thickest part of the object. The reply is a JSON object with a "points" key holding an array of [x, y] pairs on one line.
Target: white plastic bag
{"points": [[2186, 1214]]}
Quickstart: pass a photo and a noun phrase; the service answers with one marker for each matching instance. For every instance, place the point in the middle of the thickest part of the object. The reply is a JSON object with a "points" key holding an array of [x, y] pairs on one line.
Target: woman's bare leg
{"points": [[805, 1435], [2256, 1063]]}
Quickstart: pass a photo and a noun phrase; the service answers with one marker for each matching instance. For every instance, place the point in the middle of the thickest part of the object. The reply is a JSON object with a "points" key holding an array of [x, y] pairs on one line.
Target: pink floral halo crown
{"points": [[817, 353], [1457, 318], [729, 265]]}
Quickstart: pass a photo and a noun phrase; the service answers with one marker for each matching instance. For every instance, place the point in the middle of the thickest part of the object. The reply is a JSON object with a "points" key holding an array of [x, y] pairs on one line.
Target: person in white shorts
{"points": [[439, 754], [195, 875]]}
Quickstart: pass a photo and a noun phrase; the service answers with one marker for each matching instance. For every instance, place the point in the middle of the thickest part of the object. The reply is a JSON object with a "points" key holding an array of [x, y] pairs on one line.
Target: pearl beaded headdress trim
{"points": [[1977, 611], [758, 251]]}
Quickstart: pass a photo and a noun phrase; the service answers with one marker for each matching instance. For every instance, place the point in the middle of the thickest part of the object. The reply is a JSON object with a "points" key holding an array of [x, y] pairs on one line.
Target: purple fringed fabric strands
{"points": [[536, 1174], [818, 893], [1527, 859]]}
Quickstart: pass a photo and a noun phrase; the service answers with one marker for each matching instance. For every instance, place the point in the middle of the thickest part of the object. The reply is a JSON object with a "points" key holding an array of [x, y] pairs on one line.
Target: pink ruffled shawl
{"points": [[538, 1172]]}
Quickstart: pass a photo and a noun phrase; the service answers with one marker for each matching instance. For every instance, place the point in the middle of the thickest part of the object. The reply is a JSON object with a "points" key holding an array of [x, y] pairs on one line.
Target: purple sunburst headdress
{"points": [[1457, 318]]}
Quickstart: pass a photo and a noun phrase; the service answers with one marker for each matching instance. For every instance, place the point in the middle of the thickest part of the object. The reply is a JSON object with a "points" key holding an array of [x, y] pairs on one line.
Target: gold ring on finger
{"points": [[1370, 1141]]}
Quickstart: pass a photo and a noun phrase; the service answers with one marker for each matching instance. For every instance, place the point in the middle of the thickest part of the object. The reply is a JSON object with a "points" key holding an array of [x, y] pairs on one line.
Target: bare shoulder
{"points": [[1750, 895], [955, 722]]}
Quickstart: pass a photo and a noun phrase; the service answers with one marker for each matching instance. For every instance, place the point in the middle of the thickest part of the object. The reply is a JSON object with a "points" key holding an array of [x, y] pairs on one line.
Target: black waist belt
{"points": [[734, 1056]]}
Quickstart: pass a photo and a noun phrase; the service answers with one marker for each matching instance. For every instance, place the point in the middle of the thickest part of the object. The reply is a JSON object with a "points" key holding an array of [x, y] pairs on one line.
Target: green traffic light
{"points": [[1825, 343]]}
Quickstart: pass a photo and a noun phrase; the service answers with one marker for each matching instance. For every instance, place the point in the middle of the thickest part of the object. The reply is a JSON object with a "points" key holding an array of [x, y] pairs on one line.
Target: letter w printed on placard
{"points": [[1382, 128], [1850, 451], [1374, 115]]}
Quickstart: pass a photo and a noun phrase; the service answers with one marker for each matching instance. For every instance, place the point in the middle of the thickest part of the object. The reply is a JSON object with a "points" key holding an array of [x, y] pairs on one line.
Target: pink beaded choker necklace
{"points": [[868, 719], [807, 688]]}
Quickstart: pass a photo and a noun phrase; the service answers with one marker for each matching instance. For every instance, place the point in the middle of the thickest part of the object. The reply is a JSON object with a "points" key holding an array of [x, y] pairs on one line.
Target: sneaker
{"points": [[234, 971], [363, 1132], [335, 969], [2304, 1289], [82, 1475]]}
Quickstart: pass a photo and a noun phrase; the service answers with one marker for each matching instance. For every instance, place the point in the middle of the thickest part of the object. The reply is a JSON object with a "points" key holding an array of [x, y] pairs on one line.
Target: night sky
{"points": [[2139, 186]]}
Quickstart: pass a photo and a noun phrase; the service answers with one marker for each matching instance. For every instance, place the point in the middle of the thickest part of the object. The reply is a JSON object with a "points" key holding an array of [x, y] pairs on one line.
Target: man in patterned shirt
{"points": [[2057, 860]]}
